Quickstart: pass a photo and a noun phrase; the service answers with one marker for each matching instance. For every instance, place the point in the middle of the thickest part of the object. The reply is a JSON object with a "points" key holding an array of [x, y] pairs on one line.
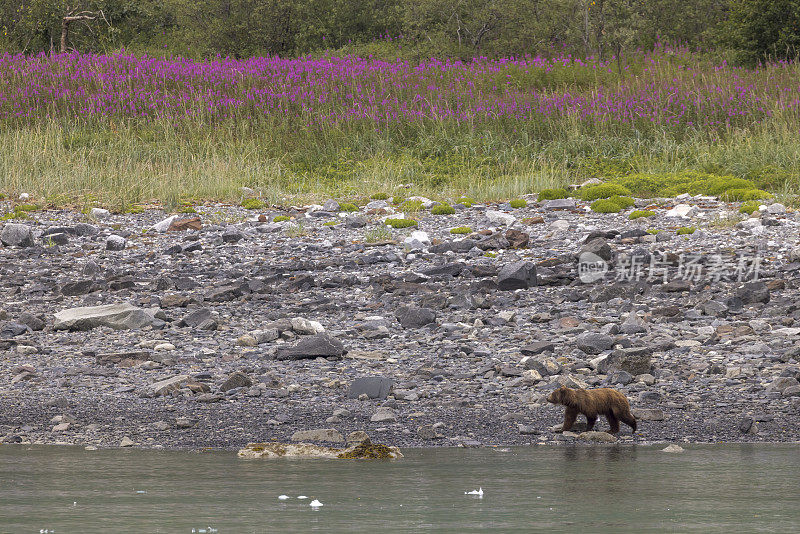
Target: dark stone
{"points": [[12, 329], [16, 235], [316, 346], [413, 317], [77, 287], [493, 242], [745, 424], [232, 235], [355, 222], [448, 269], [517, 239], [677, 286], [599, 248], [374, 387], [634, 360], [594, 343], [224, 294], [33, 322], [86, 229], [537, 347], [620, 377], [753, 292], [463, 245], [192, 247], [196, 317], [236, 380], [517, 275]]}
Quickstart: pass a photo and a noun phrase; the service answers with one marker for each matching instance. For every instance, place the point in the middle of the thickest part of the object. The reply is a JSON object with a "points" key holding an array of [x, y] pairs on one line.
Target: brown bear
{"points": [[592, 403]]}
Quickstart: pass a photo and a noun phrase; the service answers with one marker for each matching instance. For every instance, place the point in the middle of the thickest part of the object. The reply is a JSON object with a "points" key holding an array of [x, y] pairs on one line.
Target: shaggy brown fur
{"points": [[593, 402]]}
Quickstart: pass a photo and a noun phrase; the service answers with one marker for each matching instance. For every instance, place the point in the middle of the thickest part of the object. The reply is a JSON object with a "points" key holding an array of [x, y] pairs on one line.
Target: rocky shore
{"points": [[221, 328]]}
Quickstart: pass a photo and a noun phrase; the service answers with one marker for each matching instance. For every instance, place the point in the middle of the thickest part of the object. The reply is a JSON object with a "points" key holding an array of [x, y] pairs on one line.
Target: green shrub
{"points": [[379, 196], [331, 223], [744, 195], [187, 209], [16, 214], [377, 234], [411, 206], [461, 230], [595, 192], [280, 218], [638, 214], [253, 204], [401, 223], [653, 231], [518, 203], [443, 209], [346, 206], [685, 230], [750, 207], [552, 194], [720, 184], [613, 204], [466, 201]]}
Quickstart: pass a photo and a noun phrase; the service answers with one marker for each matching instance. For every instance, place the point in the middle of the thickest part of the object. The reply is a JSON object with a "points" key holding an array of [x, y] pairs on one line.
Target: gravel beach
{"points": [[217, 329]]}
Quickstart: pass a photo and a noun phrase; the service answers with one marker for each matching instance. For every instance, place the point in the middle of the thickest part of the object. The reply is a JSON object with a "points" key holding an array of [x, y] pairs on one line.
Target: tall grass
{"points": [[120, 129]]}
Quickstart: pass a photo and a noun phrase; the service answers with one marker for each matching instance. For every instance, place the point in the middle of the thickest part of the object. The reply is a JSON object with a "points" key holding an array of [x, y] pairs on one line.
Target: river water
{"points": [[722, 488]]}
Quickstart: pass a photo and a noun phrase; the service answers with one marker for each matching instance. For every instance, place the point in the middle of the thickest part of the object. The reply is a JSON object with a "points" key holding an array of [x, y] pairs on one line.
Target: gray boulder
{"points": [[413, 317], [16, 235], [118, 316], [375, 387], [594, 343], [517, 275], [317, 346], [321, 434]]}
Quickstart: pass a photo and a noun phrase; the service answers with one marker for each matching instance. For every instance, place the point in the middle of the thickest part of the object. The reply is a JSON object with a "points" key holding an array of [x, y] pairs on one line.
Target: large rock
{"points": [[599, 247], [633, 360], [374, 387], [320, 434], [594, 343], [753, 292], [517, 275], [119, 316], [413, 317], [316, 346], [168, 385], [236, 379], [16, 235], [363, 450]]}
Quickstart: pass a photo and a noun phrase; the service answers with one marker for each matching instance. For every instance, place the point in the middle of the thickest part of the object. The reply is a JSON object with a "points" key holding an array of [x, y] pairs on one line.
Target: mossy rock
{"points": [[281, 218], [552, 194], [653, 231], [613, 204], [366, 450], [401, 223], [461, 230], [638, 214], [443, 209], [750, 207], [411, 206], [253, 204], [332, 223], [346, 206], [466, 201], [744, 195], [685, 230], [518, 203], [600, 191]]}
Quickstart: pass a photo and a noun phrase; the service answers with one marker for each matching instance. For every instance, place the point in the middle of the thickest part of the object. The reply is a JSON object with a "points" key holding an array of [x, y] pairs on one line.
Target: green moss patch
{"points": [[595, 192], [331, 223], [379, 196], [411, 206], [346, 206], [685, 230], [750, 207], [443, 209], [466, 201], [253, 204], [744, 195], [690, 182], [461, 230], [280, 218], [638, 214], [613, 204], [552, 194], [401, 223]]}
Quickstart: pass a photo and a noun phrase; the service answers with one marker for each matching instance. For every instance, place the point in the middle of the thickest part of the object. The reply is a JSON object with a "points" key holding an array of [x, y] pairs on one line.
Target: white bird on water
{"points": [[282, 497], [478, 492], [315, 503]]}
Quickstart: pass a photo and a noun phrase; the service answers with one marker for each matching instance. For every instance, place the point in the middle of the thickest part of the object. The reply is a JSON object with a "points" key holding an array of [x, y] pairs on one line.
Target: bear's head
{"points": [[558, 396]]}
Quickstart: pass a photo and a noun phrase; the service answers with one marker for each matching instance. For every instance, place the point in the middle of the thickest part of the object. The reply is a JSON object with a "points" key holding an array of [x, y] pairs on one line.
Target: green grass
{"points": [[411, 206], [378, 234]]}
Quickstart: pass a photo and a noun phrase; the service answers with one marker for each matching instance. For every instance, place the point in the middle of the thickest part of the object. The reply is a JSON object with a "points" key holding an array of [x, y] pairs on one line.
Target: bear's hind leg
{"points": [[590, 421], [629, 420], [613, 422], [570, 414]]}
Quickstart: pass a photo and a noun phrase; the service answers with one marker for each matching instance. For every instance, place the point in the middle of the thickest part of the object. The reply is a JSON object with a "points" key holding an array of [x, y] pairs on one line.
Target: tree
{"points": [[764, 29]]}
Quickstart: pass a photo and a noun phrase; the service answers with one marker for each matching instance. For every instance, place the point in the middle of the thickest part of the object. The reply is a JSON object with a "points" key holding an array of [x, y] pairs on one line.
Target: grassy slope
{"points": [[117, 163]]}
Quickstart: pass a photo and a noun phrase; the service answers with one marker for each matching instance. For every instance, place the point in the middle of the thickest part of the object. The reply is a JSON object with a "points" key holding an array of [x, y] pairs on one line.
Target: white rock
{"points": [[24, 196], [99, 213], [559, 226], [164, 225], [683, 210], [672, 448], [776, 209], [282, 497], [162, 347], [426, 202], [499, 218], [303, 326], [315, 503]]}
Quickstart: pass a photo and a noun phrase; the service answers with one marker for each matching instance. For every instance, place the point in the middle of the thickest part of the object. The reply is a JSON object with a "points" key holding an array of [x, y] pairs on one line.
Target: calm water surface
{"points": [[730, 488]]}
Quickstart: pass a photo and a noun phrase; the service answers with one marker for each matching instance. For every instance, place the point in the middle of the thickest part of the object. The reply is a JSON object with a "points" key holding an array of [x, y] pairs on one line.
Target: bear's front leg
{"points": [[590, 421], [570, 414]]}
